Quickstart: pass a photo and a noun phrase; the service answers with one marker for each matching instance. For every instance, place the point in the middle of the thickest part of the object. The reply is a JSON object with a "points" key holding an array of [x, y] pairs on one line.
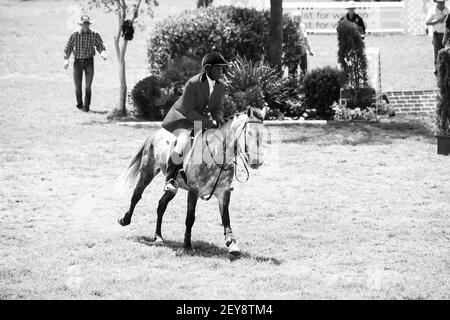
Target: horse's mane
{"points": [[257, 113]]}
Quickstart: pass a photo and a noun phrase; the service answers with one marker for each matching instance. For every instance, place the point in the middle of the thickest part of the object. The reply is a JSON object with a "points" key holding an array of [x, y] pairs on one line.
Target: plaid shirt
{"points": [[83, 44]]}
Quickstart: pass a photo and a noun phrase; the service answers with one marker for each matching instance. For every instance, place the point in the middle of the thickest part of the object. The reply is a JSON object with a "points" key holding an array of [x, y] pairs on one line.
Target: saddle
{"points": [[186, 151]]}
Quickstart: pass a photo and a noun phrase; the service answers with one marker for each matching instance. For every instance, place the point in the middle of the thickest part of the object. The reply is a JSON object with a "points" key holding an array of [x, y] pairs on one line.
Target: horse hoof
{"points": [[234, 250], [158, 239], [123, 223]]}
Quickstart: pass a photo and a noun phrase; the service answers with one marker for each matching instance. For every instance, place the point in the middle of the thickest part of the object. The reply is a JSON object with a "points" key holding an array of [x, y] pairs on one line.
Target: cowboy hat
{"points": [[84, 19], [351, 5], [213, 59]]}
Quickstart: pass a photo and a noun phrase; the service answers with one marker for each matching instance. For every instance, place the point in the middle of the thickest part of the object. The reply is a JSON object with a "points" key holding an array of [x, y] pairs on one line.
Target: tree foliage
{"points": [[230, 30], [351, 54]]}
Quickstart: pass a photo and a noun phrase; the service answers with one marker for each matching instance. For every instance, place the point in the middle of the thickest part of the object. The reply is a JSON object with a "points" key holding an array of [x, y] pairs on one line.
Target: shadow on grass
{"points": [[98, 111], [356, 133], [203, 249]]}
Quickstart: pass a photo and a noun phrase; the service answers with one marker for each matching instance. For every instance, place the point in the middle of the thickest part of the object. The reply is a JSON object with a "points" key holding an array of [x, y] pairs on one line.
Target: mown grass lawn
{"points": [[341, 211]]}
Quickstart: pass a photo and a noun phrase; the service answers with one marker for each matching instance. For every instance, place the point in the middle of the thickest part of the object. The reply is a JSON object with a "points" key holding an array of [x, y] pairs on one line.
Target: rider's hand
{"points": [[66, 63], [311, 53], [208, 124], [220, 123], [104, 55]]}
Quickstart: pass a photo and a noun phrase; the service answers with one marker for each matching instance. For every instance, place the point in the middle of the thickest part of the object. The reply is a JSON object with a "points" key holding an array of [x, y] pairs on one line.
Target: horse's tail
{"points": [[129, 177], [133, 168]]}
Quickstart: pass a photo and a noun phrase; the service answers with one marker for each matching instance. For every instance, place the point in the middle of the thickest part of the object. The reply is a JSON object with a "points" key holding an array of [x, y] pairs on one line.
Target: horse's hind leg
{"points": [[162, 205], [144, 180]]}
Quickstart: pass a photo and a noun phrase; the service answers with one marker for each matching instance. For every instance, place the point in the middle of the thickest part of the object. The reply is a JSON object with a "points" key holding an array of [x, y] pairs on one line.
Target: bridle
{"points": [[237, 153]]}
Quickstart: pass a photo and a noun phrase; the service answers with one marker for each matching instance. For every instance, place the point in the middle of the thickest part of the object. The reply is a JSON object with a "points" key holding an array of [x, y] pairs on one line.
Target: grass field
{"points": [[353, 210]]}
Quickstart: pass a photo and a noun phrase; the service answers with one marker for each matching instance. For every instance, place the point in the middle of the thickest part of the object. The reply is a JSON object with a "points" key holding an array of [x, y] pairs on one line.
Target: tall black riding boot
{"points": [[172, 171]]}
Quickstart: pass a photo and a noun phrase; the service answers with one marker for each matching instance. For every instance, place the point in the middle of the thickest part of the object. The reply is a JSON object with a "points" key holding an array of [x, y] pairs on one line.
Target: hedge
{"points": [[229, 30]]}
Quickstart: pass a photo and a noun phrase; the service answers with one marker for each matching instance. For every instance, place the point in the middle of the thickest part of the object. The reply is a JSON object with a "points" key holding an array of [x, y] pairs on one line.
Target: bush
{"points": [[259, 85], [178, 72], [322, 88], [247, 82], [351, 54], [285, 98], [144, 96], [230, 30], [443, 100]]}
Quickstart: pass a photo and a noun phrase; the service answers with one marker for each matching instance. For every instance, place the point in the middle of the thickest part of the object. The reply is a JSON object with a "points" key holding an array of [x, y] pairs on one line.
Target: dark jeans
{"points": [[86, 65], [304, 63], [437, 44]]}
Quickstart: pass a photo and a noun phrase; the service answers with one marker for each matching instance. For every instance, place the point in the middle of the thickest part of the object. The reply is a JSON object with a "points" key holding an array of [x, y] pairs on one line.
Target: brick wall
{"points": [[413, 102]]}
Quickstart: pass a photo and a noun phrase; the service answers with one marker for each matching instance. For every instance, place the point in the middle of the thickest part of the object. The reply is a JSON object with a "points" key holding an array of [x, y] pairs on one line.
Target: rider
{"points": [[203, 94]]}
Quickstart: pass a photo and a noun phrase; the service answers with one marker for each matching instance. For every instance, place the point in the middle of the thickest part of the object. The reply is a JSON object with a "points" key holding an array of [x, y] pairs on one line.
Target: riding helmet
{"points": [[213, 59]]}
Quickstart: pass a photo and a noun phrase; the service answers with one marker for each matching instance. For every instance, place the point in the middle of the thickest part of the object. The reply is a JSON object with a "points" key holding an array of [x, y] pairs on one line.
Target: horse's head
{"points": [[249, 135]]}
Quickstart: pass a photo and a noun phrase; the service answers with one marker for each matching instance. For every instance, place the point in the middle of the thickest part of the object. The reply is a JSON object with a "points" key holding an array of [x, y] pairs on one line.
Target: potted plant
{"points": [[442, 125], [352, 57]]}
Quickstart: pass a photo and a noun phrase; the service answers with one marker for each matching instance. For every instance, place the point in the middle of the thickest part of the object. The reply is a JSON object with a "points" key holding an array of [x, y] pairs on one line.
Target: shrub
{"points": [[230, 30], [291, 47], [178, 71], [285, 98], [443, 99], [144, 97], [246, 82], [351, 54], [260, 85], [321, 88]]}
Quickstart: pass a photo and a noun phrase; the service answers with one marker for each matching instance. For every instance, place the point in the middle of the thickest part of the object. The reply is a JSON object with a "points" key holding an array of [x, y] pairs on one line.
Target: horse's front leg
{"points": [[190, 218], [230, 241]]}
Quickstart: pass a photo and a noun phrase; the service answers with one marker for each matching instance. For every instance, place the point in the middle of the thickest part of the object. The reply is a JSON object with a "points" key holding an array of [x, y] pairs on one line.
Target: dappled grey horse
{"points": [[209, 166]]}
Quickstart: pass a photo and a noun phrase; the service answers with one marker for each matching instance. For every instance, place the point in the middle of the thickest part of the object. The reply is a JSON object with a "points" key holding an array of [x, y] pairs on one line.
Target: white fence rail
{"points": [[407, 16]]}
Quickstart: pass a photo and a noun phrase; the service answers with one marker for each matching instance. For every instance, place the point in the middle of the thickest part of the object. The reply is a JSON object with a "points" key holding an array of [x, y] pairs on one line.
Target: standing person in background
{"points": [[303, 42], [83, 43], [435, 18], [352, 16]]}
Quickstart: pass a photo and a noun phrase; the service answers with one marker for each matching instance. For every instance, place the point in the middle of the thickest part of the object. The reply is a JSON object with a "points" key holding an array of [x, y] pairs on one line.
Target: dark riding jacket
{"points": [[195, 104]]}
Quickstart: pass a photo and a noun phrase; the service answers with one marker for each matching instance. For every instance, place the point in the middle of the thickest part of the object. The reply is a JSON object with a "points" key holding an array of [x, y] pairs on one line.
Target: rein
{"points": [[236, 154]]}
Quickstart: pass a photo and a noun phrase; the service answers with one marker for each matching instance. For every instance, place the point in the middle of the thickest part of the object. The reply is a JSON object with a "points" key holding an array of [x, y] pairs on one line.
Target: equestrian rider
{"points": [[202, 95]]}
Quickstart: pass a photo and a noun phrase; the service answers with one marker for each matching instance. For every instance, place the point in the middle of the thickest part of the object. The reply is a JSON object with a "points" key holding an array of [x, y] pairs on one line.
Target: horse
{"points": [[208, 167]]}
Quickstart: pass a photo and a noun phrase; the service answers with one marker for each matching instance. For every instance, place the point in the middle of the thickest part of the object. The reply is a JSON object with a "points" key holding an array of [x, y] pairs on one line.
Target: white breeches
{"points": [[183, 136]]}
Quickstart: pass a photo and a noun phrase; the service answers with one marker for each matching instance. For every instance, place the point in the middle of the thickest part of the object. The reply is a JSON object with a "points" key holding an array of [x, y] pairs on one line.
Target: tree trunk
{"points": [[121, 51], [276, 33], [123, 81]]}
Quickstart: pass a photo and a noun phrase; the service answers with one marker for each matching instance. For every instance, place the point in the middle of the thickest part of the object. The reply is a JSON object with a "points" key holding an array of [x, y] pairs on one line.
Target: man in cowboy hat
{"points": [[435, 18], [353, 17], [203, 95], [83, 43]]}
